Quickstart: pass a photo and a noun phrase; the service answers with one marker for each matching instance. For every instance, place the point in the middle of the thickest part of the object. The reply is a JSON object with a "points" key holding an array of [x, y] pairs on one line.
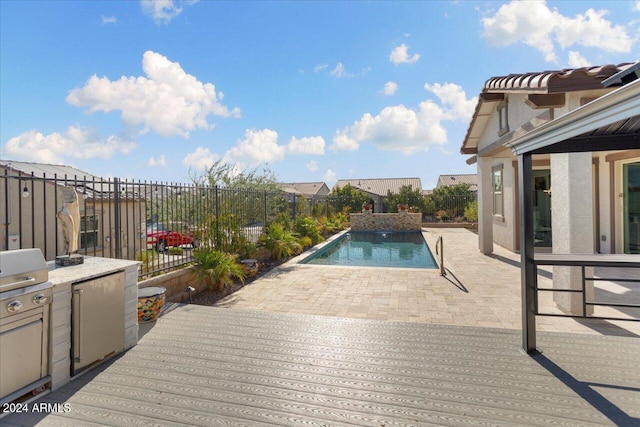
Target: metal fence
{"points": [[450, 208], [158, 223]]}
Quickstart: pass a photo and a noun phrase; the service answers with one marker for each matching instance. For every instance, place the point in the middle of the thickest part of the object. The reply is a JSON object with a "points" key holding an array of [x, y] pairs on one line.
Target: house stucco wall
{"points": [[504, 230]]}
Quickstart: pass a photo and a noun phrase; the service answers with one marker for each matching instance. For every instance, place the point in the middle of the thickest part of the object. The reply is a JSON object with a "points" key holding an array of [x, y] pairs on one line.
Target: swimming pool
{"points": [[376, 249]]}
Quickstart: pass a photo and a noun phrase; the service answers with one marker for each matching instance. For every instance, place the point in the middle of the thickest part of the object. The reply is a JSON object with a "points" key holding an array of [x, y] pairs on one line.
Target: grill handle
{"points": [[25, 281]]}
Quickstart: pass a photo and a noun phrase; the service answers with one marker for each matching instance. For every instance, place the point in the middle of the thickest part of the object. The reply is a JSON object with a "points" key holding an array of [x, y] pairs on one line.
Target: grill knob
{"points": [[40, 299], [14, 306]]}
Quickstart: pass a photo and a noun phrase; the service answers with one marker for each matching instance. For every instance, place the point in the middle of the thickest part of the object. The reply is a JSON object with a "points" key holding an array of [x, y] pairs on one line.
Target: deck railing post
{"points": [[528, 268]]}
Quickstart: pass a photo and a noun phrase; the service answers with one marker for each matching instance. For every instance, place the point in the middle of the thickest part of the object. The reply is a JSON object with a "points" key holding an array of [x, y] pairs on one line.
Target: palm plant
{"points": [[217, 268], [280, 242]]}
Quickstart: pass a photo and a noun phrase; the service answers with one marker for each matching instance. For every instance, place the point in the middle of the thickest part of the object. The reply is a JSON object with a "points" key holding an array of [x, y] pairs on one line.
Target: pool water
{"points": [[376, 249]]}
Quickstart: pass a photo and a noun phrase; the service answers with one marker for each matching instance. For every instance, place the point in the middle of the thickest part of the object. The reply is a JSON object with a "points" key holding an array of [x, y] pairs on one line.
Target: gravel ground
{"points": [[211, 298]]}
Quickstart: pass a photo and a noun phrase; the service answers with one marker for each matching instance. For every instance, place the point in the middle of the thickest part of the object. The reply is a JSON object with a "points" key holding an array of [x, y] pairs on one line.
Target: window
{"points": [[498, 208], [89, 232], [503, 117]]}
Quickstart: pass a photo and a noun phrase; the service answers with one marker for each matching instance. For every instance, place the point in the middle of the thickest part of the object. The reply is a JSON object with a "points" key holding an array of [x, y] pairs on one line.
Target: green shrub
{"points": [[471, 212], [280, 242], [217, 268], [308, 227]]}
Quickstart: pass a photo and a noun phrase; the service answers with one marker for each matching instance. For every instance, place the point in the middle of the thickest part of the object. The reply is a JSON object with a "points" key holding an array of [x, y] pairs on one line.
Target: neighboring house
{"points": [[307, 189], [594, 194], [30, 200], [377, 189], [451, 180]]}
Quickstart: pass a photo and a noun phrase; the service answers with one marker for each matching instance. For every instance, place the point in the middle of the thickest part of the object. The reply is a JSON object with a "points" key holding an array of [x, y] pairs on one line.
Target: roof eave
{"points": [[614, 106]]}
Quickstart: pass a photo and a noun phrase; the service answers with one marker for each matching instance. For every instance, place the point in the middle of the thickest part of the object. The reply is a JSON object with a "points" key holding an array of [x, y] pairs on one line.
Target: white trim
{"points": [[618, 105]]}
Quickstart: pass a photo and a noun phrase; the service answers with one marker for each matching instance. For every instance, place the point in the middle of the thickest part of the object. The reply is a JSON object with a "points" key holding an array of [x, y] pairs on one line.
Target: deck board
{"points": [[215, 366]]}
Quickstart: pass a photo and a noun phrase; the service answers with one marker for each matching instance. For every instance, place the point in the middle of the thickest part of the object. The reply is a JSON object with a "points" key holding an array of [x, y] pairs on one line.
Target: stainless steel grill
{"points": [[25, 301]]}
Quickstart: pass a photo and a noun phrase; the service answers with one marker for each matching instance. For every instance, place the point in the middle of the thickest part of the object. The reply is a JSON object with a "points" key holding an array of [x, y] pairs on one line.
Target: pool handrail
{"points": [[440, 243]]}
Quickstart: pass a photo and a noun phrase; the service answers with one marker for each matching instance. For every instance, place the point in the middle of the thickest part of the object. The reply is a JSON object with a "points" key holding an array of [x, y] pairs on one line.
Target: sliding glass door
{"points": [[631, 207]]}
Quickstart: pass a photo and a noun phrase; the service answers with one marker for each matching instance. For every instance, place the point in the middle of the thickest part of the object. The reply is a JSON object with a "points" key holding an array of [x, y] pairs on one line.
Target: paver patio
{"points": [[478, 290]]}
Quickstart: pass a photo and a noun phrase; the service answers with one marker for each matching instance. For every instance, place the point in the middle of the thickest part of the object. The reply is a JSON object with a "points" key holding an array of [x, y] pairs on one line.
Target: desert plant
{"points": [[308, 227], [305, 241], [471, 211], [217, 268], [280, 242]]}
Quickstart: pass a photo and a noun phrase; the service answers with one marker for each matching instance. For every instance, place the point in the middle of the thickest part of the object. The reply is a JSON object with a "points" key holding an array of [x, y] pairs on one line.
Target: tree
{"points": [[450, 201], [407, 195], [223, 174], [350, 197]]}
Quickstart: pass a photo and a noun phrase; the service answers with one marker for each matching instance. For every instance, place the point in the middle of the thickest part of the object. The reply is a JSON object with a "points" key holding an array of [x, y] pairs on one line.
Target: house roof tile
{"points": [[306, 188], [544, 82], [449, 180], [381, 186]]}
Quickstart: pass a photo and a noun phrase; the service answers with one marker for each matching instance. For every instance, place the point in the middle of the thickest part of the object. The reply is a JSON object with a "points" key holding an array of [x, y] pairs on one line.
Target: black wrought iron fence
{"points": [[159, 224], [450, 208]]}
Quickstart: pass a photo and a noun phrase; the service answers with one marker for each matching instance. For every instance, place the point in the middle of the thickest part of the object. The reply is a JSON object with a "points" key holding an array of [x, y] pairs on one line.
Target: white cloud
{"points": [[339, 72], [259, 146], [159, 162], [200, 159], [636, 6], [454, 100], [76, 142], [167, 101], [398, 128], [400, 55], [320, 67], [342, 141], [390, 88], [576, 60], [535, 25], [593, 30], [163, 11], [330, 178], [307, 145], [312, 166], [106, 20]]}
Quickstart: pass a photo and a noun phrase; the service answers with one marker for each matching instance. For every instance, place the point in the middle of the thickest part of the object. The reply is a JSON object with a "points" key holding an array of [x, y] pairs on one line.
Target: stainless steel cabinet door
{"points": [[97, 319], [20, 368]]}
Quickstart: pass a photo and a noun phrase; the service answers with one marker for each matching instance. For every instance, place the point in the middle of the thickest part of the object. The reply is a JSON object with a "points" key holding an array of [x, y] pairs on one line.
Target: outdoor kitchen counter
{"points": [[63, 278]]}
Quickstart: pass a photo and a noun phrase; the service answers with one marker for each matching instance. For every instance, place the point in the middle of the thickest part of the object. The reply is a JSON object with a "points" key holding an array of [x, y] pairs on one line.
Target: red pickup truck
{"points": [[161, 237]]}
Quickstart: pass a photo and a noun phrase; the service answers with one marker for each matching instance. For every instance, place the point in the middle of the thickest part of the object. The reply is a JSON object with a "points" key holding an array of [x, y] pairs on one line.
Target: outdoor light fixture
{"points": [[25, 191], [190, 290]]}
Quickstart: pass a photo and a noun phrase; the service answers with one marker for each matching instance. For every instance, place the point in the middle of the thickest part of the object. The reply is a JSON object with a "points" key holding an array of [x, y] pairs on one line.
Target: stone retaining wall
{"points": [[403, 221], [176, 282]]}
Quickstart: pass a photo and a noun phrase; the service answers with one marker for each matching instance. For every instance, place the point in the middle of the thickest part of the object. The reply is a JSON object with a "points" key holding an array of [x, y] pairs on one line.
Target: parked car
{"points": [[160, 236]]}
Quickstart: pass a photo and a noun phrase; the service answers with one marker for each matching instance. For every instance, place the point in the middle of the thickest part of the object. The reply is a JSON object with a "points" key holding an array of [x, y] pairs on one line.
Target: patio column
{"points": [[527, 269], [571, 224], [485, 206]]}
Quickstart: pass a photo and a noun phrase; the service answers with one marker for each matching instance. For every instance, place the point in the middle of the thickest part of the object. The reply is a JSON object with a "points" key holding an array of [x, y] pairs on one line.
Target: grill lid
{"points": [[22, 267]]}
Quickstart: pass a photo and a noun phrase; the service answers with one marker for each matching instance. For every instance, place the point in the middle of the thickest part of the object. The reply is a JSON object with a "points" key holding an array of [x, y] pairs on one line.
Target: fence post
{"points": [[264, 223], [116, 219], [217, 209]]}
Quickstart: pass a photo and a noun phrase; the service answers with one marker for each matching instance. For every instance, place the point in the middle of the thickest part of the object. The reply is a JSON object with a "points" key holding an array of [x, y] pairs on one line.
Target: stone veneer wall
{"points": [[403, 221], [175, 282]]}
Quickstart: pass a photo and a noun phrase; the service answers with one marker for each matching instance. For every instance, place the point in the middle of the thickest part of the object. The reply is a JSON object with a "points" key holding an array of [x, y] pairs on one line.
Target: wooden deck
{"points": [[207, 366]]}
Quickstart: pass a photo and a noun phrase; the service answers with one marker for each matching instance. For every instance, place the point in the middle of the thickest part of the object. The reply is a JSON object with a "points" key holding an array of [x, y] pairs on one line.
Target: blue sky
{"points": [[318, 91]]}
